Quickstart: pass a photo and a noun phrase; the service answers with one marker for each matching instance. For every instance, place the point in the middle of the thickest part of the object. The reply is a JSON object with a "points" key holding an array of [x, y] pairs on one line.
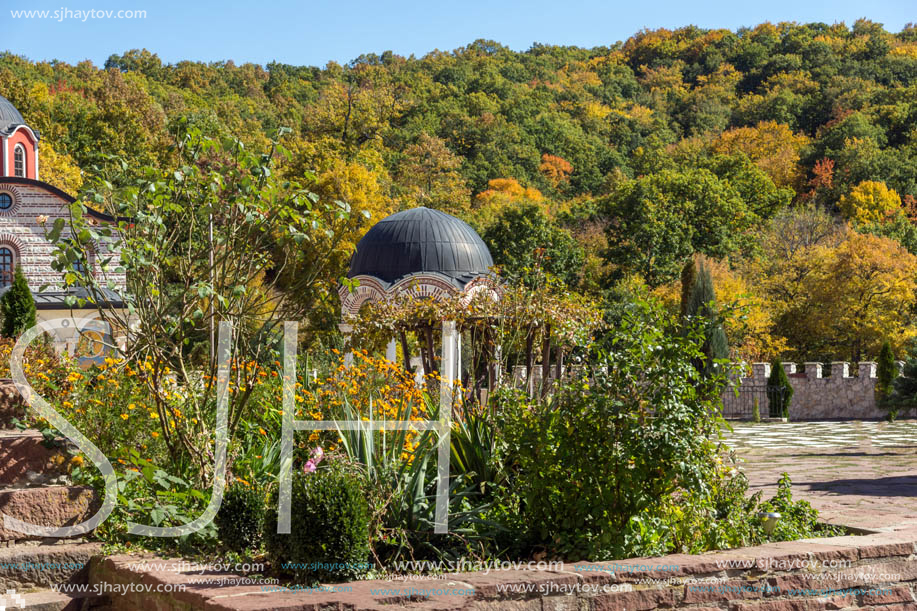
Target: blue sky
{"points": [[313, 33]]}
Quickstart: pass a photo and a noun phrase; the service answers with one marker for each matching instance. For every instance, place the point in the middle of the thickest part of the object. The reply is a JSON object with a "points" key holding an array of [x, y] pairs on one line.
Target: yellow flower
{"points": [[154, 434], [124, 416], [131, 406], [154, 416]]}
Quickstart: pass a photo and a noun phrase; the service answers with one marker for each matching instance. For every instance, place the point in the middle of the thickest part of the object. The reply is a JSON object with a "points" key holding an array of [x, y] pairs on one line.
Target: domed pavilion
{"points": [[423, 253]]}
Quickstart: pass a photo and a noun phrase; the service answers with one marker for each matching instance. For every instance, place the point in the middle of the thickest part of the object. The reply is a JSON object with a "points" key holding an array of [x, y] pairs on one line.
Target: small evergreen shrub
{"points": [[17, 307], [779, 391], [903, 396], [329, 529], [240, 521], [887, 371]]}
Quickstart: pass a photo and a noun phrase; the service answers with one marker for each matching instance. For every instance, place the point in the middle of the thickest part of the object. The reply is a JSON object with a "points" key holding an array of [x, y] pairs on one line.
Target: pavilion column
{"points": [[448, 367], [391, 350], [347, 330], [458, 356]]}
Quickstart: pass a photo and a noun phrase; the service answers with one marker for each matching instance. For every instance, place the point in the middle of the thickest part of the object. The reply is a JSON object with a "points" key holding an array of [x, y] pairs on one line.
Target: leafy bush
{"points": [[329, 526], [621, 446], [240, 521], [779, 391], [798, 519]]}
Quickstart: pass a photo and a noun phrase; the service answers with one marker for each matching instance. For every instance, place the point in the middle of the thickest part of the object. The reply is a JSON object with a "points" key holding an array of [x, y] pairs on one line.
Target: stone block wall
{"points": [[844, 391]]}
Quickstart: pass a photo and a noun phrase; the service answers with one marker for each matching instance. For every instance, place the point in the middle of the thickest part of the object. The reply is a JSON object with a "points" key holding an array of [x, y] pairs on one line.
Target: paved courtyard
{"points": [[860, 474]]}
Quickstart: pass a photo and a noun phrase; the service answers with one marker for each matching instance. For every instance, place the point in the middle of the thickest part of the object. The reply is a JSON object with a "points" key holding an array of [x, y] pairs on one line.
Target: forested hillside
{"points": [[786, 154]]}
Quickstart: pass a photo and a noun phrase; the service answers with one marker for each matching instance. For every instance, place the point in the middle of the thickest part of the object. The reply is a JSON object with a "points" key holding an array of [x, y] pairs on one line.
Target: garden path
{"points": [[859, 474]]}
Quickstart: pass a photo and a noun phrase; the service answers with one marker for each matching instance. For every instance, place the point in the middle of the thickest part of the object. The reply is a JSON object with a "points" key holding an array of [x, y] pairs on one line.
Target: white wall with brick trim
{"points": [[21, 231]]}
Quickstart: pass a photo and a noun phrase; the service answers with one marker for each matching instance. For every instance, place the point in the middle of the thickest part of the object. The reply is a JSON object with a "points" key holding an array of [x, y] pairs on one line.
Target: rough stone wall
{"points": [[846, 391]]}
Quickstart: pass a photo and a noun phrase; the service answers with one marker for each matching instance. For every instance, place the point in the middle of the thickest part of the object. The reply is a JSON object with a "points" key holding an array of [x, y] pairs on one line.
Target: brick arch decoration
{"points": [[369, 289], [416, 285], [12, 241], [16, 194]]}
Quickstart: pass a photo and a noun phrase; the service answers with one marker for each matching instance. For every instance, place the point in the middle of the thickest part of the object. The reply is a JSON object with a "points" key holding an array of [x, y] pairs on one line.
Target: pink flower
{"points": [[317, 455], [309, 467]]}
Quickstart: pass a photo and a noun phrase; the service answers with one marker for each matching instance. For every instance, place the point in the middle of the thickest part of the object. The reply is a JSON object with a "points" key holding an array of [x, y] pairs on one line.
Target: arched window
{"points": [[19, 161], [6, 266], [6, 201]]}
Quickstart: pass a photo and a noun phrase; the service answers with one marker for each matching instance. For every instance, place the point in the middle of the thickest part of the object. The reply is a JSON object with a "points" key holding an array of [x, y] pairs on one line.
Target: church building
{"points": [[28, 207]]}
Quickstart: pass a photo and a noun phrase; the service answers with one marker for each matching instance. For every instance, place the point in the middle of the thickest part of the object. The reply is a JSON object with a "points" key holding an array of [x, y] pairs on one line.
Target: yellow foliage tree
{"points": [[858, 293], [59, 169], [835, 294], [772, 146], [500, 194], [429, 176], [869, 201]]}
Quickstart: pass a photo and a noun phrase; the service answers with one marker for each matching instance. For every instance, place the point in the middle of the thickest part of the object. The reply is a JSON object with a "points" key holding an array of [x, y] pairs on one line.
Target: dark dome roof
{"points": [[9, 116], [421, 240]]}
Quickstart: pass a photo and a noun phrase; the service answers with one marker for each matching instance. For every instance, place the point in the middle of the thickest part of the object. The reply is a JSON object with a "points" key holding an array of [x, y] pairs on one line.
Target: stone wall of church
{"points": [[22, 231]]}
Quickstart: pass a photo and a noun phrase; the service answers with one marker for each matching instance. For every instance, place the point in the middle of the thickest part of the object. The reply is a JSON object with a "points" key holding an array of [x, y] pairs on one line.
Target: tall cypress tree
{"points": [[779, 391], [700, 303], [688, 276], [887, 371], [18, 307]]}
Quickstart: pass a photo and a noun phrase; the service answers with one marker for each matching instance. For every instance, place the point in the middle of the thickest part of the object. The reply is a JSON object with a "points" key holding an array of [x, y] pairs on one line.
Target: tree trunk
{"points": [[405, 352], [546, 361], [530, 362]]}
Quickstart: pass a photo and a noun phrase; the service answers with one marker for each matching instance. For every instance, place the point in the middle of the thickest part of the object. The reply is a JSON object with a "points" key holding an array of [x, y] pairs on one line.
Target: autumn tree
{"points": [[429, 174], [869, 201], [771, 145]]}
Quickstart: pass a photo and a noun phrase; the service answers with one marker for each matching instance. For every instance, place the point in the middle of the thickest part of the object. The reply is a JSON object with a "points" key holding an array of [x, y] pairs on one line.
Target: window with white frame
{"points": [[19, 161]]}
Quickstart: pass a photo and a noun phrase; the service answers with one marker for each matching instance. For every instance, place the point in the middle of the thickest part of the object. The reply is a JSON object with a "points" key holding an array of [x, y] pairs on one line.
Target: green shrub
{"points": [[18, 307], [887, 371], [903, 397], [798, 519], [329, 526], [779, 391], [600, 466], [240, 520]]}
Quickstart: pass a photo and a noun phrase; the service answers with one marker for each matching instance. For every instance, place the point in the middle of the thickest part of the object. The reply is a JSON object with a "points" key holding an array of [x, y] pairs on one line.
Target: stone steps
{"points": [[26, 459], [28, 566], [47, 506], [55, 601]]}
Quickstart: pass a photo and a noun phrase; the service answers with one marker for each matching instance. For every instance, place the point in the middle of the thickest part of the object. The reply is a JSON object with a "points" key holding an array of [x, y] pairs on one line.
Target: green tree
{"points": [[524, 241], [779, 391], [657, 221], [218, 238], [887, 371], [688, 276], [18, 307]]}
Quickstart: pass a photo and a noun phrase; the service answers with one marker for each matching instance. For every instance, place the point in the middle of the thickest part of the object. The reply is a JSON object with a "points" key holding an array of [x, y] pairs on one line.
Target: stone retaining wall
{"points": [[844, 392], [875, 571]]}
